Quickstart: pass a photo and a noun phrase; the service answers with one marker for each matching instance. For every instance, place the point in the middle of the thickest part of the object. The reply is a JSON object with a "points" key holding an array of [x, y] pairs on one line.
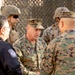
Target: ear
{"points": [[9, 19], [62, 24], [2, 30], [27, 28]]}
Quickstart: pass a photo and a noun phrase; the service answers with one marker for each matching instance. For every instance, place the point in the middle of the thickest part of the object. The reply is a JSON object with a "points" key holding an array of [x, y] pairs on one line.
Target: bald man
{"points": [[59, 57], [66, 24]]}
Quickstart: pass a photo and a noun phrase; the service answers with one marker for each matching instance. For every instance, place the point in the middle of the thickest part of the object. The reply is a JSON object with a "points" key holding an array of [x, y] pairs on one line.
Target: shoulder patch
{"points": [[12, 53]]}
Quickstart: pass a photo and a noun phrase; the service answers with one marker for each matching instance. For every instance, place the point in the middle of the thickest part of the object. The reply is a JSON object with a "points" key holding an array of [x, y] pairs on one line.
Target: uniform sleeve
{"points": [[10, 61], [46, 35], [48, 63], [17, 47], [13, 34], [25, 71]]}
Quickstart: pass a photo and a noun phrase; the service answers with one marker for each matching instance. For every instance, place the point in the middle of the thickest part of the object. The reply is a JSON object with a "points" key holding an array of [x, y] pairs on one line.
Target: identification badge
{"points": [[12, 53]]}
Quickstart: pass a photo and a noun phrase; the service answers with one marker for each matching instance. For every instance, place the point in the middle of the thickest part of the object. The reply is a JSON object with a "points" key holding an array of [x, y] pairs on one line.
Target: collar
{"points": [[1, 39]]}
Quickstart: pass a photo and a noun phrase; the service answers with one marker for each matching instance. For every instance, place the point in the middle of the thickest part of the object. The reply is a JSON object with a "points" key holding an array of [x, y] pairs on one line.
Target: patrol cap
{"points": [[68, 15], [36, 23], [8, 10], [60, 11]]}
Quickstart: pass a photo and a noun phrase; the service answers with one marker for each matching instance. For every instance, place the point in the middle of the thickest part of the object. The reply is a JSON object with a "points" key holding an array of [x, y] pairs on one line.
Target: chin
{"points": [[35, 38]]}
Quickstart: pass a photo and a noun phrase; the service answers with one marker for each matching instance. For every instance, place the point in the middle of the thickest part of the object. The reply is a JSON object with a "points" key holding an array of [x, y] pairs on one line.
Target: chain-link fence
{"points": [[43, 9]]}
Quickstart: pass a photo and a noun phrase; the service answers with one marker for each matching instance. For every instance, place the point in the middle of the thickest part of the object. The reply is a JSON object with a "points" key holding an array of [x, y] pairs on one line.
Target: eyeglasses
{"points": [[15, 16]]}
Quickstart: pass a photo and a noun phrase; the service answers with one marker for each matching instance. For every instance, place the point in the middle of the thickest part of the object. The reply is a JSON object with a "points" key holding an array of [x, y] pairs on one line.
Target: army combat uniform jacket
{"points": [[59, 57], [32, 53], [50, 33], [13, 36]]}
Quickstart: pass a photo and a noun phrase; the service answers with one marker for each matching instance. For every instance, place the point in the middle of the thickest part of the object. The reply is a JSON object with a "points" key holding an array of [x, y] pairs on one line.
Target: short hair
{"points": [[3, 19]]}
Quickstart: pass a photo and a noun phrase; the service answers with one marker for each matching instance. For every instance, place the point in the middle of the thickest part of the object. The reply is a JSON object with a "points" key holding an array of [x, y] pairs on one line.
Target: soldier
{"points": [[59, 58], [9, 64], [32, 47], [12, 13], [53, 31]]}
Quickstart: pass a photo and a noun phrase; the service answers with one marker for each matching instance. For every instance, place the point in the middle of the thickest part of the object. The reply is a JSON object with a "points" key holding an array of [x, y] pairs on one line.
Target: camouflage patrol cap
{"points": [[8, 10], [60, 12], [68, 15], [36, 23]]}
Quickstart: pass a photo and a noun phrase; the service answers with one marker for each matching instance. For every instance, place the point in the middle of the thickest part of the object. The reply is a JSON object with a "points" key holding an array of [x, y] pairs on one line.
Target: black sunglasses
{"points": [[15, 16]]}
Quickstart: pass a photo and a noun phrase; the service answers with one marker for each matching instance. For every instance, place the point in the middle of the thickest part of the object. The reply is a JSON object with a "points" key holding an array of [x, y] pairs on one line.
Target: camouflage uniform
{"points": [[32, 53], [53, 31], [7, 11], [60, 55], [13, 36]]}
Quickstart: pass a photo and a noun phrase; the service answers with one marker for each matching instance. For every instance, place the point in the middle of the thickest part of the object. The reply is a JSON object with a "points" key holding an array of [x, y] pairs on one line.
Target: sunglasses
{"points": [[15, 16]]}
